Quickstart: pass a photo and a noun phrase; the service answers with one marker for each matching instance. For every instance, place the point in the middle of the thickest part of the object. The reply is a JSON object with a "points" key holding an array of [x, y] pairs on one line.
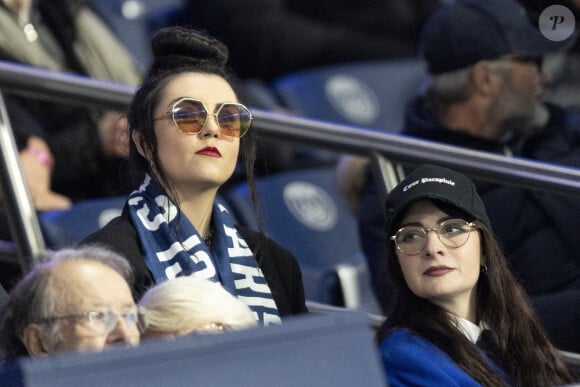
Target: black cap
{"points": [[436, 183], [467, 31]]}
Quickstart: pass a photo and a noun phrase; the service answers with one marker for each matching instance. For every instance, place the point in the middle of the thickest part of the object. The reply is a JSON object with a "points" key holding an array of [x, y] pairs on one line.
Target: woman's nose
{"points": [[210, 127], [433, 244]]}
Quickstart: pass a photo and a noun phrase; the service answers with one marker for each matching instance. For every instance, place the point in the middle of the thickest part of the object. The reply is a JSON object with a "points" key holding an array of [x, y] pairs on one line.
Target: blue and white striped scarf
{"points": [[173, 248]]}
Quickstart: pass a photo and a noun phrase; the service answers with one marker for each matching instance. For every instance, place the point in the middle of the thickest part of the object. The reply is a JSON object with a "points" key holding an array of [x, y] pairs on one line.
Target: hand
{"points": [[114, 134], [36, 161]]}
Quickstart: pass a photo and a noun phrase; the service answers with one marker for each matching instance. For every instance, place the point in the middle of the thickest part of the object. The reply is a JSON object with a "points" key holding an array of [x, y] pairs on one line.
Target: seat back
{"points": [[133, 21], [62, 228], [326, 350], [65, 227], [370, 94], [302, 211]]}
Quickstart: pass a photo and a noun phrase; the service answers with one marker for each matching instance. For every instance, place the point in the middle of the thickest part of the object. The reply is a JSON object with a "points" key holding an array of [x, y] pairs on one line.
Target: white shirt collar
{"points": [[469, 329]]}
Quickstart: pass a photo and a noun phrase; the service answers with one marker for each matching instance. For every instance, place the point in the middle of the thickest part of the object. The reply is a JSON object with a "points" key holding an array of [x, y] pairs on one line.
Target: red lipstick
{"points": [[209, 151], [437, 271]]}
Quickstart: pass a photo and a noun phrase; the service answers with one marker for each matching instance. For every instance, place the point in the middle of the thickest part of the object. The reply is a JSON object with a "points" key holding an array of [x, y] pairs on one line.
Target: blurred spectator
{"points": [[73, 300], [270, 38], [563, 68], [84, 144], [191, 304], [484, 92]]}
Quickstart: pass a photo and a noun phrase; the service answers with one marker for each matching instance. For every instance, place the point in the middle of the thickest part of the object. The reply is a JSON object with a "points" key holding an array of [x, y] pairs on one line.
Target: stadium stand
{"points": [[336, 137], [133, 21], [368, 94], [302, 211]]}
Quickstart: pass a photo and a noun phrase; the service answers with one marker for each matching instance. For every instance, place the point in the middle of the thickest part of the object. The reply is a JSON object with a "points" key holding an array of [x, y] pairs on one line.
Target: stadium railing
{"points": [[44, 84]]}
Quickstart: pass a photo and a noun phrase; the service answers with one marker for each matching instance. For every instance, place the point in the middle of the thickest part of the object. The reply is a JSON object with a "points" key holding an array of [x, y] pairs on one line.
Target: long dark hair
{"points": [[177, 50], [522, 348]]}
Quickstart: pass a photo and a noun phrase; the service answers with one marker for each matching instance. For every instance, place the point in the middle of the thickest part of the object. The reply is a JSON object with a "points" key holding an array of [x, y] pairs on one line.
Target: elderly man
{"points": [[75, 300], [484, 92]]}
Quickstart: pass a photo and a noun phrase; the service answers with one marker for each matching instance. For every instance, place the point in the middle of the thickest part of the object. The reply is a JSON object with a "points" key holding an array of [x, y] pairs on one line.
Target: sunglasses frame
{"points": [[171, 114]]}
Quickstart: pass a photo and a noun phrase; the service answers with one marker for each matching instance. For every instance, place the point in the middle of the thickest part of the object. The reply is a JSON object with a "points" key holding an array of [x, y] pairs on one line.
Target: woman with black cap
{"points": [[459, 316]]}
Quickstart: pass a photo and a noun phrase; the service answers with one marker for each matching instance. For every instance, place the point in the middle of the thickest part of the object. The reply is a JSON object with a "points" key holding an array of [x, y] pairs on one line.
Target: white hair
{"points": [[186, 304]]}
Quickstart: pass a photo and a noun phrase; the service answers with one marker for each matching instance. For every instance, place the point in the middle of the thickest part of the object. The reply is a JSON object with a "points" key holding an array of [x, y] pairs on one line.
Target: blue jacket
{"points": [[410, 360]]}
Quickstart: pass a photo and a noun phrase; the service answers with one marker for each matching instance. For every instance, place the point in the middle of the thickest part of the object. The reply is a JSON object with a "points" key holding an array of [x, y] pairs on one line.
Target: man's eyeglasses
{"points": [[411, 240], [103, 321], [190, 116]]}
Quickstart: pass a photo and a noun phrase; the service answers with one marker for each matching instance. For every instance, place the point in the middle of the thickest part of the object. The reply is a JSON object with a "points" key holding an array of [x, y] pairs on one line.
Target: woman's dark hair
{"points": [[522, 348], [177, 50]]}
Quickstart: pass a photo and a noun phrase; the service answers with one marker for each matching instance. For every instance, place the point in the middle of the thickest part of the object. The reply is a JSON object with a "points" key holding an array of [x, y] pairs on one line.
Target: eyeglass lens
{"points": [[105, 321], [191, 115], [453, 233]]}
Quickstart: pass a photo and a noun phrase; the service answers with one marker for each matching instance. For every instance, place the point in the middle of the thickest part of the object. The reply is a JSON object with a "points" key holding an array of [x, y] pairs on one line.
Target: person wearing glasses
{"points": [[187, 129], [192, 305], [74, 299], [453, 289], [484, 91]]}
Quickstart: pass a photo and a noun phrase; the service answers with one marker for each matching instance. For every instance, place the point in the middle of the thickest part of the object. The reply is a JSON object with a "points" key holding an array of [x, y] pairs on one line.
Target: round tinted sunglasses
{"points": [[190, 116]]}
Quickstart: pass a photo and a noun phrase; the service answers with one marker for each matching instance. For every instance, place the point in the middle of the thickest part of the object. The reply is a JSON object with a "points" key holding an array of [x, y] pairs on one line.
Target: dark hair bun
{"points": [[180, 42]]}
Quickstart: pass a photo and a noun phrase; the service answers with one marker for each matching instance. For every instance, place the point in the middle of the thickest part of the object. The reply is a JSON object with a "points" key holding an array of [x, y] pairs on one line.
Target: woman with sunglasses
{"points": [[459, 317], [187, 128]]}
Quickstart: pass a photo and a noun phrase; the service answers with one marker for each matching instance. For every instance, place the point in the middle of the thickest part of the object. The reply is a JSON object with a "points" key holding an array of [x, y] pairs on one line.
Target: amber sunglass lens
{"points": [[189, 116], [234, 120]]}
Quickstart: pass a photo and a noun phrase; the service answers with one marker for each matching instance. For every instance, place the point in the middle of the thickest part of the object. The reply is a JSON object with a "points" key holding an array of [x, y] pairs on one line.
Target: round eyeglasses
{"points": [[103, 321], [454, 233], [190, 116]]}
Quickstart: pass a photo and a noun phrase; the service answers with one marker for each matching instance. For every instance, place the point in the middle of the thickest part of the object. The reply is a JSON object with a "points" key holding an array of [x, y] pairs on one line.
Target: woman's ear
{"points": [[32, 340], [137, 140]]}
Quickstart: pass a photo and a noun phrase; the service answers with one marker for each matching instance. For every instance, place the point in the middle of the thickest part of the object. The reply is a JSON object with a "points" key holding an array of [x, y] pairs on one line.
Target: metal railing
{"points": [[73, 89]]}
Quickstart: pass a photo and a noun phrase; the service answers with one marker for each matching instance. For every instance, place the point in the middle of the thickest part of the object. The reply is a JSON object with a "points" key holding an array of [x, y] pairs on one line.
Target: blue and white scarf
{"points": [[174, 248]]}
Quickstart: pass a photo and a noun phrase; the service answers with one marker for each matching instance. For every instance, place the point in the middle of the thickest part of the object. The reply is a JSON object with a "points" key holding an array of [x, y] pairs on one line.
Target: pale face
{"points": [[443, 275], [519, 103], [84, 286], [194, 162]]}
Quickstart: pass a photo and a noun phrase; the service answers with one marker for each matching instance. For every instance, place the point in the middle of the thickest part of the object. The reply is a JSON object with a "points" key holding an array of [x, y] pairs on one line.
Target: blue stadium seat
{"points": [[65, 227], [370, 94], [302, 211], [133, 21]]}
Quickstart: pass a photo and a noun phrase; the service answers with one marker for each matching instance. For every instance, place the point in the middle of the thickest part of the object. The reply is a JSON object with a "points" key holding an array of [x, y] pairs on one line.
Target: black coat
{"points": [[278, 264]]}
